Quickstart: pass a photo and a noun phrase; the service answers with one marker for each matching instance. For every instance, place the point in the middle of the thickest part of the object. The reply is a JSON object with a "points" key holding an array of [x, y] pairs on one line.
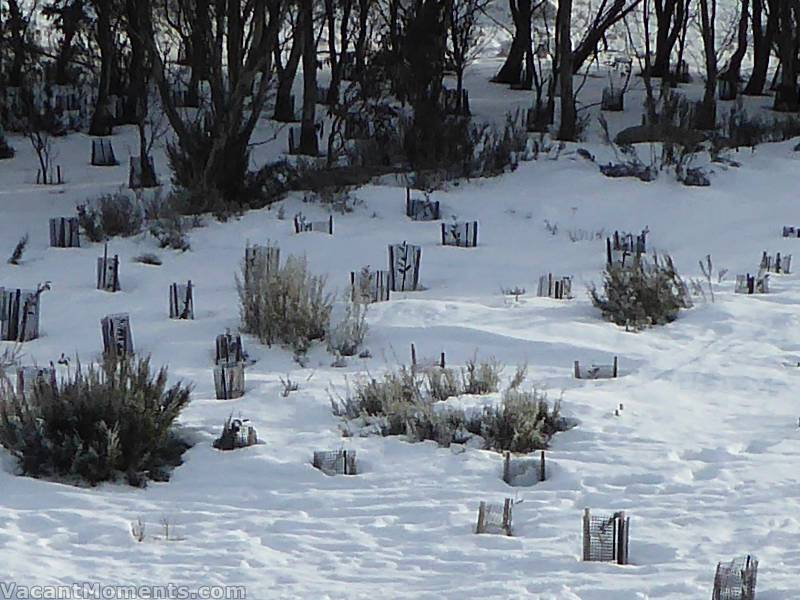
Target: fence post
{"points": [[577, 370], [615, 368], [507, 516], [507, 467], [481, 516], [586, 535], [622, 538], [542, 472]]}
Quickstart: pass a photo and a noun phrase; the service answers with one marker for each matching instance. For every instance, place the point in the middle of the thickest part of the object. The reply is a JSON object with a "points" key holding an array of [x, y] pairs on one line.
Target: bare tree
{"points": [[517, 70], [786, 98], [707, 109], [214, 158], [567, 129], [762, 44], [465, 38], [308, 126]]}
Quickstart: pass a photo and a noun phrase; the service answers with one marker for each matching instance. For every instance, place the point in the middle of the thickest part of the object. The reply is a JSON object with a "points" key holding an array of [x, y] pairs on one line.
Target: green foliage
{"points": [[97, 424], [642, 294]]}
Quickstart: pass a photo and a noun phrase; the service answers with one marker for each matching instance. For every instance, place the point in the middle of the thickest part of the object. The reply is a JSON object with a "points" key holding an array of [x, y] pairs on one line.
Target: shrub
{"points": [[97, 424], [481, 378], [19, 250], [148, 258], [642, 294], [347, 337], [442, 384], [285, 305], [109, 216], [404, 403], [170, 232], [522, 422], [499, 151]]}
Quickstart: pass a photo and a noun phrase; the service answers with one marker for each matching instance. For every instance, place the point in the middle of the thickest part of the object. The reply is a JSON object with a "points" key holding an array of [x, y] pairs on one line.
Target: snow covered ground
{"points": [[701, 456]]}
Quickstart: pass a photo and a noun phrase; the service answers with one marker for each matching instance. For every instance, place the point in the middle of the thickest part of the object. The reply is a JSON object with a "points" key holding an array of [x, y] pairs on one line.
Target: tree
{"points": [[521, 50], [731, 74], [786, 98], [567, 129], [210, 157], [68, 17], [762, 45], [284, 105], [308, 126], [670, 18], [707, 109], [337, 57], [465, 37], [104, 35]]}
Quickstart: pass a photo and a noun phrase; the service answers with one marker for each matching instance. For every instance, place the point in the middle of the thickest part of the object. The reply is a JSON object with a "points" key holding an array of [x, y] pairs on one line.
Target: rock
{"points": [[696, 178]]}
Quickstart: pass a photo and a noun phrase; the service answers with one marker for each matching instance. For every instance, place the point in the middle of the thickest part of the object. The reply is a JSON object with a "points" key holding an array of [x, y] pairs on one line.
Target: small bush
{"points": [[19, 250], [109, 216], [405, 403], [97, 424], [287, 305], [522, 422], [148, 258], [481, 378], [347, 337], [642, 294], [170, 232]]}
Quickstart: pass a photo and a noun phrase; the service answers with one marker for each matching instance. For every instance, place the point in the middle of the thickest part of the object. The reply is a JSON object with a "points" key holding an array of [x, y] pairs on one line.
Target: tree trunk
{"points": [[361, 40], [17, 26], [284, 107], [786, 98], [733, 72], [308, 127], [101, 119], [762, 47], [511, 71], [71, 17], [707, 115], [567, 129], [669, 19], [137, 67], [337, 57]]}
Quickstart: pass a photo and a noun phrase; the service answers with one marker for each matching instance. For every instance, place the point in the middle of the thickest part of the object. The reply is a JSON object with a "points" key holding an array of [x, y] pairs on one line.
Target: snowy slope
{"points": [[701, 458]]}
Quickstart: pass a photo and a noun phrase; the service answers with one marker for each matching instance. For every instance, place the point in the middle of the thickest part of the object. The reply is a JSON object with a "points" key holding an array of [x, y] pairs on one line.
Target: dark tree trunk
{"points": [[197, 47], [101, 119], [71, 17], [669, 21], [734, 70], [521, 46], [337, 57], [567, 129], [137, 67], [707, 115], [17, 27], [308, 128], [786, 98], [361, 40], [762, 46], [284, 107]]}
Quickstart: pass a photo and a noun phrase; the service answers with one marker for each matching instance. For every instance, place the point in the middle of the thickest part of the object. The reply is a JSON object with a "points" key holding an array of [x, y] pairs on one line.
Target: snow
{"points": [[702, 456]]}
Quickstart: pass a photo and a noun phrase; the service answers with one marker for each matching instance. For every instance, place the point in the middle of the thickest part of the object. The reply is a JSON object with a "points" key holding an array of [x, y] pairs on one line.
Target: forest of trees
{"points": [[211, 69]]}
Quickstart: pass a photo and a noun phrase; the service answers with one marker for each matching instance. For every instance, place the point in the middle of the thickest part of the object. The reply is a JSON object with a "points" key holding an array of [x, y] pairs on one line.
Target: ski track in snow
{"points": [[703, 456]]}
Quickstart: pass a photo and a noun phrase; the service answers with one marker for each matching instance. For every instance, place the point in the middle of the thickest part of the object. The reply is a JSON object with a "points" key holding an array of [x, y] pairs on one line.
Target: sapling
{"points": [[19, 249]]}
